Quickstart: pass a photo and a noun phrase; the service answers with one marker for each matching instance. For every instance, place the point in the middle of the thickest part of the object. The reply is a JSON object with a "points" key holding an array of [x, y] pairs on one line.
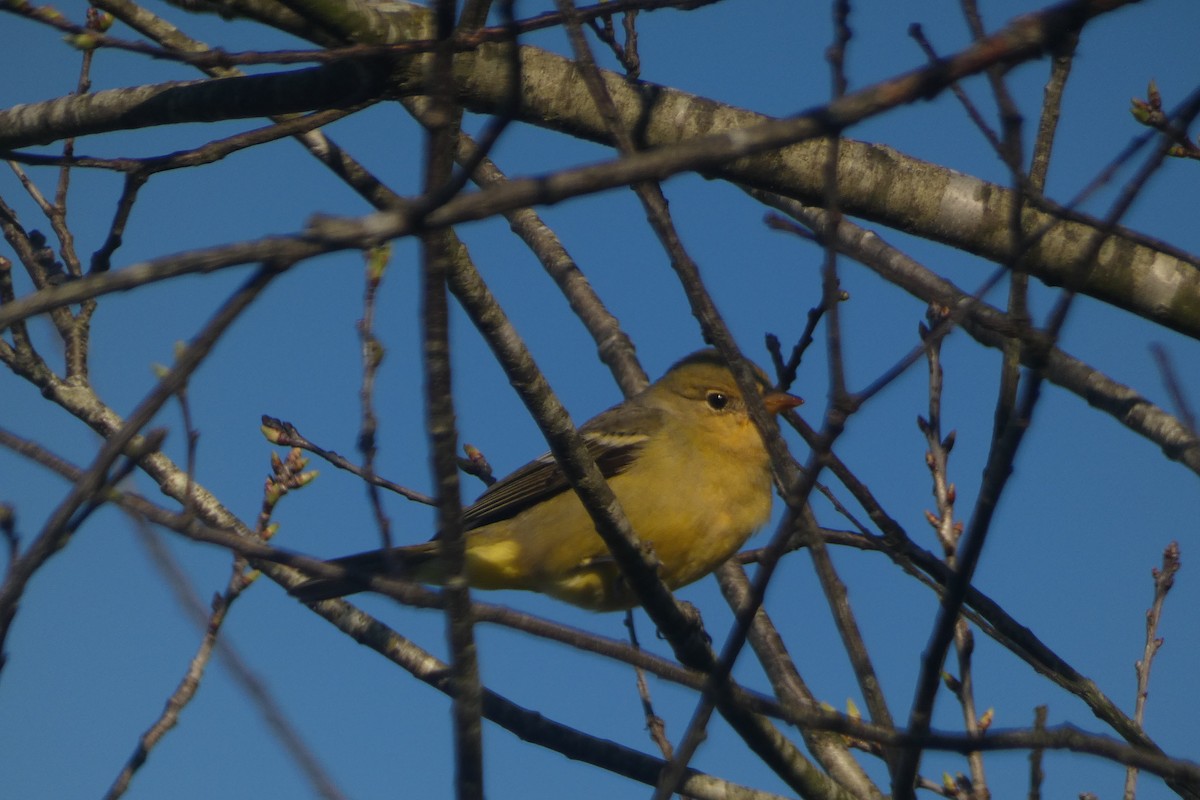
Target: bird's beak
{"points": [[780, 401]]}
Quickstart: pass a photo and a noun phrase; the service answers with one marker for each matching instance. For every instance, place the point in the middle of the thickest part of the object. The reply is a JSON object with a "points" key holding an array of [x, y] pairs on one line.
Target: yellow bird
{"points": [[683, 458]]}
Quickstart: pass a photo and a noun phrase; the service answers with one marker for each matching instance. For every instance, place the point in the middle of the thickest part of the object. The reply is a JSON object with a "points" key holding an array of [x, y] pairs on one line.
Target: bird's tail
{"points": [[416, 562]]}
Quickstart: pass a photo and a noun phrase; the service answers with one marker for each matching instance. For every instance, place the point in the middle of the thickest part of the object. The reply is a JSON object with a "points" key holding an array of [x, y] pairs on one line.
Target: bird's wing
{"points": [[613, 438]]}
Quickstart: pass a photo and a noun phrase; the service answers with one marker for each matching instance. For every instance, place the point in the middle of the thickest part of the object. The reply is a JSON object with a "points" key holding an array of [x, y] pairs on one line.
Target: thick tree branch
{"points": [[874, 182], [339, 85], [992, 327]]}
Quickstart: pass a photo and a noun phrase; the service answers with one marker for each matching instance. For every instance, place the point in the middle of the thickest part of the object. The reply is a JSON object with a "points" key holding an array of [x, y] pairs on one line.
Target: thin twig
{"points": [[188, 686], [612, 343], [785, 759], [830, 751], [1001, 457], [285, 434], [1164, 579], [1170, 378], [409, 594], [1036, 775], [937, 457], [543, 732], [442, 128], [372, 356], [223, 59], [654, 723], [256, 689], [56, 530]]}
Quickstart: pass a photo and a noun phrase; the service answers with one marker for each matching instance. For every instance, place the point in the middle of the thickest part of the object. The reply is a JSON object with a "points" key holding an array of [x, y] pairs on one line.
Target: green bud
{"points": [[82, 41]]}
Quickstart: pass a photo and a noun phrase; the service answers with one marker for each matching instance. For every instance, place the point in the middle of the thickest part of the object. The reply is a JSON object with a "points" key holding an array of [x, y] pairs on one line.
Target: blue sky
{"points": [[99, 642]]}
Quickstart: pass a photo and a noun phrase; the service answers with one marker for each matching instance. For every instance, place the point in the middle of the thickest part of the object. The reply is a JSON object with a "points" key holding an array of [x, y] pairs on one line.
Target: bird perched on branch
{"points": [[683, 458]]}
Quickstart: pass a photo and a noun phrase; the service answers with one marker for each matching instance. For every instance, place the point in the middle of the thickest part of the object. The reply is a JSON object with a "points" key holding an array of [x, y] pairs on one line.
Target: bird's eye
{"points": [[717, 400]]}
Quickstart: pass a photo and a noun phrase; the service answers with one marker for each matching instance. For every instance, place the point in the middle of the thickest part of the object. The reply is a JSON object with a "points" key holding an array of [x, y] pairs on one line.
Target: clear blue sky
{"points": [[100, 642]]}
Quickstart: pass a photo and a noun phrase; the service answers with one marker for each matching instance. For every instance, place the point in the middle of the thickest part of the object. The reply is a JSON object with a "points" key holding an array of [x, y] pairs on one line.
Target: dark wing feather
{"points": [[614, 439]]}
